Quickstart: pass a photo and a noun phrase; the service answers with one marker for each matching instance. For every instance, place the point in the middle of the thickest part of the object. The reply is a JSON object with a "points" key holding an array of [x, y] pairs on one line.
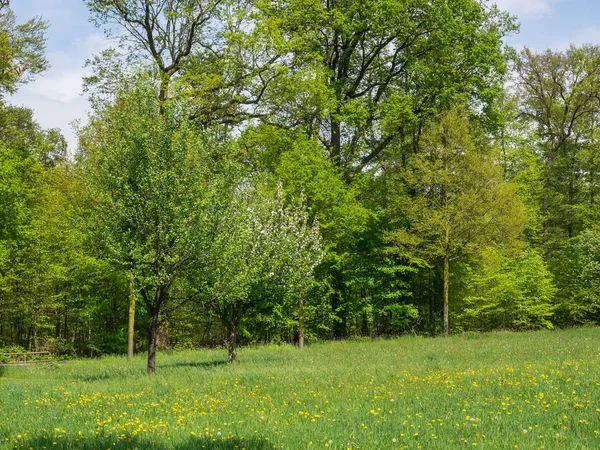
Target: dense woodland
{"points": [[280, 171]]}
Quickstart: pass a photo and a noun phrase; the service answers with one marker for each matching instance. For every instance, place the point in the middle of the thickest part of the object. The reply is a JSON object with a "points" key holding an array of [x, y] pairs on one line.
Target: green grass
{"points": [[499, 391]]}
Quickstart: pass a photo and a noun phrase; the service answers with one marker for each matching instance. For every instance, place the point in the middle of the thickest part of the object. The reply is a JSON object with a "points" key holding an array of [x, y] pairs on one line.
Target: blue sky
{"points": [[56, 97]]}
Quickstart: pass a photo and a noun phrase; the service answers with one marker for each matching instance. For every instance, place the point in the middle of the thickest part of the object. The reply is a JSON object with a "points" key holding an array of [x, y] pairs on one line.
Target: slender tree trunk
{"points": [[232, 354], [152, 331], [546, 200], [301, 323], [592, 185], [29, 334], [446, 283], [336, 142], [90, 338], [431, 293], [570, 220], [35, 331], [131, 329], [66, 334]]}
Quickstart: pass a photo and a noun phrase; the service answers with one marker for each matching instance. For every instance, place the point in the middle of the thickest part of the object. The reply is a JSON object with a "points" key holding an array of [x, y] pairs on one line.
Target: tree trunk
{"points": [[152, 331], [35, 331], [431, 304], [446, 283], [66, 334], [90, 338], [546, 201], [232, 356], [131, 329], [301, 324], [163, 90], [336, 142], [592, 185]]}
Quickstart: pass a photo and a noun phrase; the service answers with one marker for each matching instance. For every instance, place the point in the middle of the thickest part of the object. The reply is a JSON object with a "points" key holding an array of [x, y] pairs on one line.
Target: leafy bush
{"points": [[508, 293]]}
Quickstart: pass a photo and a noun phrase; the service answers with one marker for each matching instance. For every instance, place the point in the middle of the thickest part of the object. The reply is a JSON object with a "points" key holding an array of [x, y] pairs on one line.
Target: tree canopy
{"points": [[298, 171]]}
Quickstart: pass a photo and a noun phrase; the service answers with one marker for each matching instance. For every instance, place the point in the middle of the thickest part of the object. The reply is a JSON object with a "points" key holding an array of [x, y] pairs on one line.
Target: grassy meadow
{"points": [[499, 391]]}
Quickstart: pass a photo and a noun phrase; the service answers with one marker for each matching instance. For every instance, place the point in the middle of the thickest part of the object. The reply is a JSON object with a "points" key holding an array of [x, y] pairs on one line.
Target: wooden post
{"points": [[301, 323], [446, 283], [131, 329]]}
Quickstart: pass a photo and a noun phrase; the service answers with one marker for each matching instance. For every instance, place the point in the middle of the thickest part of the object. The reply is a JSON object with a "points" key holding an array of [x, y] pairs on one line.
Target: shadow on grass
{"points": [[95, 377], [133, 443], [108, 373], [200, 365]]}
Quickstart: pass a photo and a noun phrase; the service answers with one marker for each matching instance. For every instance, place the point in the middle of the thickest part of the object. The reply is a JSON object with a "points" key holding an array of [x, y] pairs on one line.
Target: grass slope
{"points": [[500, 391]]}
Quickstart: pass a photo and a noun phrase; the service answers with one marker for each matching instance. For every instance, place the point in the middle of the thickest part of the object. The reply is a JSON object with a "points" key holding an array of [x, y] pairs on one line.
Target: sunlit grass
{"points": [[500, 391]]}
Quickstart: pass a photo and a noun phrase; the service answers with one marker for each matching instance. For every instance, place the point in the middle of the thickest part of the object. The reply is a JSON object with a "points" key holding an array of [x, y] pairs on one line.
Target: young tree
{"points": [[262, 252], [507, 292], [153, 192], [588, 246], [453, 200]]}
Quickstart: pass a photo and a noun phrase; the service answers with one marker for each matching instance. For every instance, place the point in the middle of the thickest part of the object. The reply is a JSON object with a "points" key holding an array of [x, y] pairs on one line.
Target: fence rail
{"points": [[24, 358]]}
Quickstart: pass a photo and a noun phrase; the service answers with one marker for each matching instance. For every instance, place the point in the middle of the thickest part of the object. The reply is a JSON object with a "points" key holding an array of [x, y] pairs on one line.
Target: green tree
{"points": [[153, 192], [262, 252], [166, 31], [559, 95], [575, 269], [588, 246], [362, 79], [362, 76], [22, 142], [452, 200], [21, 50], [46, 276], [507, 292]]}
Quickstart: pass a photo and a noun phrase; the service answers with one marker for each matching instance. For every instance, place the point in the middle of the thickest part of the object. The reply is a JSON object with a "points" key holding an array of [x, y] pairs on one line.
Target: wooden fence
{"points": [[24, 358]]}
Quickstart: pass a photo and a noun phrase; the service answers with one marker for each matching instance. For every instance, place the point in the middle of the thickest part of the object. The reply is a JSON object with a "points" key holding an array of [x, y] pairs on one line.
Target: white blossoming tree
{"points": [[262, 251]]}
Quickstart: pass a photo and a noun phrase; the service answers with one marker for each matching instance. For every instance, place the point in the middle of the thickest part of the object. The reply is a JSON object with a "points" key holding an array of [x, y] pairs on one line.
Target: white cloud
{"points": [[58, 86], [526, 7], [589, 35], [51, 113], [56, 97]]}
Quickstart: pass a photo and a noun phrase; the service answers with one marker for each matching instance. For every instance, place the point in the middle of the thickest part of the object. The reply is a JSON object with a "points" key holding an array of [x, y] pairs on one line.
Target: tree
{"points": [[23, 145], [452, 200], [576, 270], [560, 95], [362, 79], [48, 282], [167, 31], [21, 50], [153, 192], [507, 292], [588, 246], [262, 252], [364, 75]]}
